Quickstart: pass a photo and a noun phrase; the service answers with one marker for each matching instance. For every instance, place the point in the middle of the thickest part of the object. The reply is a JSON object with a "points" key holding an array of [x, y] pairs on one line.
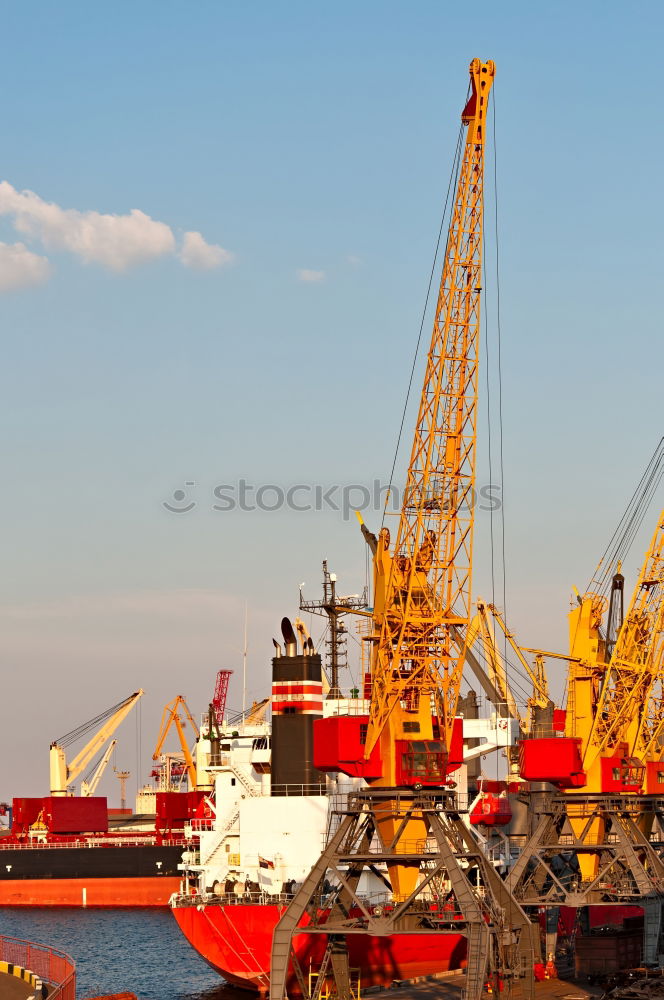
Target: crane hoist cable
{"points": [[86, 727], [93, 767], [499, 386], [500, 365], [452, 183], [630, 522], [499, 382]]}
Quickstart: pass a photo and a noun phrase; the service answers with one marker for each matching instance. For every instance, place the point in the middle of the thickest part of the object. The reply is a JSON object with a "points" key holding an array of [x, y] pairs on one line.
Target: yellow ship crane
{"points": [[63, 774], [615, 707], [610, 755], [492, 673], [171, 717], [424, 593], [406, 822]]}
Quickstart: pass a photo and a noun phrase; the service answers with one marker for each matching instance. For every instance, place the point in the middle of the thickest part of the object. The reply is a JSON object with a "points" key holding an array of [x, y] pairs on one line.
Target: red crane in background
{"points": [[220, 693]]}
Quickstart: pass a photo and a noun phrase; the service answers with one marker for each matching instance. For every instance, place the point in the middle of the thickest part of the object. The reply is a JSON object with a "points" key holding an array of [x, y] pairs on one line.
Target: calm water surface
{"points": [[138, 950]]}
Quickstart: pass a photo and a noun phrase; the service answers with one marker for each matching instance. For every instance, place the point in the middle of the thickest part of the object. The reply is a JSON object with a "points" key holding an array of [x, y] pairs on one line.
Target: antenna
{"points": [[334, 607], [122, 777], [244, 663]]}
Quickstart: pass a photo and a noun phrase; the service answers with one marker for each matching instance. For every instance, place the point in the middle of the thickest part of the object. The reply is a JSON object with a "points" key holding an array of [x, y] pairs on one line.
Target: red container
{"points": [[24, 814], [61, 814], [76, 814], [177, 805]]}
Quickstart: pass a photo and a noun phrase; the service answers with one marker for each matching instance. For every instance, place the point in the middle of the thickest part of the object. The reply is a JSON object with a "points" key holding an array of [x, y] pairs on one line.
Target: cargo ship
{"points": [[62, 851], [235, 939], [66, 850], [91, 872], [244, 864]]}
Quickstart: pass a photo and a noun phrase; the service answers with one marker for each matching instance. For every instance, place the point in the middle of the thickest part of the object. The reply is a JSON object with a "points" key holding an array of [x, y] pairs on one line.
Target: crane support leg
{"points": [[457, 892], [283, 933], [626, 867]]}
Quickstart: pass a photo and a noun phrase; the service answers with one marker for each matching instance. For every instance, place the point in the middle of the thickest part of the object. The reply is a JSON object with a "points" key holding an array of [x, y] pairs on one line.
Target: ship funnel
{"points": [[290, 639], [297, 701], [277, 648]]}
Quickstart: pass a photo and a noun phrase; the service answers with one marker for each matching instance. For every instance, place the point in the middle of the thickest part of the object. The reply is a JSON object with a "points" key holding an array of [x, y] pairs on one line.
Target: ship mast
{"points": [[334, 607]]}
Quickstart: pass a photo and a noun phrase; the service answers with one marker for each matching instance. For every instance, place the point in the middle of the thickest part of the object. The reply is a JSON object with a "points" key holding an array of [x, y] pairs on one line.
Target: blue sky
{"points": [[309, 146]]}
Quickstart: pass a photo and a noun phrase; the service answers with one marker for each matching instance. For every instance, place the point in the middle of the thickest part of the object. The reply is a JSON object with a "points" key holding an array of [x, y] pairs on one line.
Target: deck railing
{"points": [[91, 842], [48, 964]]}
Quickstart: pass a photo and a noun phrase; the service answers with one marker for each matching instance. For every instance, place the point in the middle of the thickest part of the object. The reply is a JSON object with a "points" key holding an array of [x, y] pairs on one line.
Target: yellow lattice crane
{"points": [[410, 742], [492, 672], [422, 586], [170, 717], [615, 703], [426, 579], [614, 726]]}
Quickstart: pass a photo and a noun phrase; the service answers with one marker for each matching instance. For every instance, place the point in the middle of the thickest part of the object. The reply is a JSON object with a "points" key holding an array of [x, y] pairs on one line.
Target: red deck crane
{"points": [[220, 695]]}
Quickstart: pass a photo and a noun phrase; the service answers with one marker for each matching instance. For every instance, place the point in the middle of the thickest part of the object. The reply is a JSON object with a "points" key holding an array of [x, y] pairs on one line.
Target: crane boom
{"points": [[62, 774], [428, 578], [170, 717], [90, 787], [220, 695]]}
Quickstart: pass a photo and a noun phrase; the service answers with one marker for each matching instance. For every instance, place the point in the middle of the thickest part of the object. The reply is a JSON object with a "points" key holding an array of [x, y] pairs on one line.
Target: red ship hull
{"points": [[112, 872], [145, 891], [236, 940]]}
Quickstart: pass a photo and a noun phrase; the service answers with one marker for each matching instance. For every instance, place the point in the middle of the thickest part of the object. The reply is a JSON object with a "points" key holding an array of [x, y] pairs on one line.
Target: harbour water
{"points": [[138, 950]]}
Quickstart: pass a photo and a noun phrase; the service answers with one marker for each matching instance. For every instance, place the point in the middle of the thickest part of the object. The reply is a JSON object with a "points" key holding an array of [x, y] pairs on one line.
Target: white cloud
{"points": [[353, 260], [114, 241], [19, 267], [306, 274], [195, 252]]}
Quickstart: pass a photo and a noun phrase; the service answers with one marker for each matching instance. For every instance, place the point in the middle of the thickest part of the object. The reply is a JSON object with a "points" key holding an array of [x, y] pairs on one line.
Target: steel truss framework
{"points": [[630, 705], [428, 589], [459, 892], [628, 870]]}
